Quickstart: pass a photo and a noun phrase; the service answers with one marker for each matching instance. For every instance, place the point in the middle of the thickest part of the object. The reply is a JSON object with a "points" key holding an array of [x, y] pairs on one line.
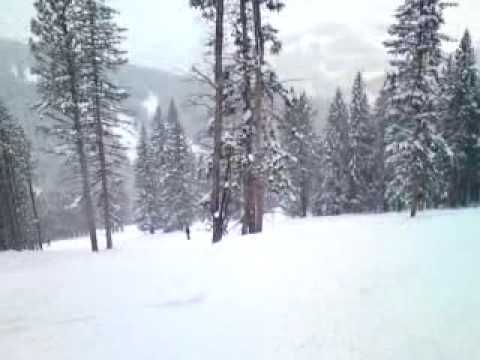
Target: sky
{"points": [[325, 43]]}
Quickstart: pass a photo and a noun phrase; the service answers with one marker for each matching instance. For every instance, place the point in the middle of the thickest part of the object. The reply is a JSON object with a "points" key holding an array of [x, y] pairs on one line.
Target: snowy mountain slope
{"points": [[18, 88], [353, 287]]}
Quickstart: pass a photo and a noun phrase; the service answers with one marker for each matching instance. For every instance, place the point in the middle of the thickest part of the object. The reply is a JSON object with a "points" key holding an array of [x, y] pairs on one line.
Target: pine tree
{"points": [[178, 200], [383, 116], [461, 125], [158, 165], [332, 199], [260, 129], [56, 44], [145, 206], [102, 55], [361, 150], [417, 149], [117, 168], [17, 219], [252, 87], [299, 143]]}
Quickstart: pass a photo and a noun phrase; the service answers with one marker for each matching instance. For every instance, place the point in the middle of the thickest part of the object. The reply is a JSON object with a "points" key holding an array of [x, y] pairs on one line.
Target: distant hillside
{"points": [[18, 89], [147, 87]]}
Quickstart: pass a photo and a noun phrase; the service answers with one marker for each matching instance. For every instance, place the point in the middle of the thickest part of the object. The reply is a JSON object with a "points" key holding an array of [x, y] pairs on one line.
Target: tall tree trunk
{"points": [[248, 220], [99, 132], [259, 188], [82, 157], [215, 203]]}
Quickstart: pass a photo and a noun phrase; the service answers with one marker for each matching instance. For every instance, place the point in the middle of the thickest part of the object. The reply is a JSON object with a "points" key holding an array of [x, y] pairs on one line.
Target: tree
{"points": [[145, 207], [332, 199], [56, 44], [461, 123], [417, 148], [178, 200], [215, 9], [159, 170], [249, 150], [102, 55], [17, 219], [299, 143], [383, 116], [361, 150], [252, 87], [262, 33]]}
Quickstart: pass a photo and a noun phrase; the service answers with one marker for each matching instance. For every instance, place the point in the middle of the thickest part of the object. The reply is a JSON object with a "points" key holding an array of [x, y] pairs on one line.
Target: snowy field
{"points": [[354, 287]]}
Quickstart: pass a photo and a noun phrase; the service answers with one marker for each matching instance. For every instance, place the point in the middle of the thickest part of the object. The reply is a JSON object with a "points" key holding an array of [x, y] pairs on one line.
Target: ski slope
{"points": [[354, 287]]}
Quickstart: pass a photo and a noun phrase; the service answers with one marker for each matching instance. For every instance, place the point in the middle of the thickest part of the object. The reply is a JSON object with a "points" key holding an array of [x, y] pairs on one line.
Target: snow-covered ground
{"points": [[354, 287]]}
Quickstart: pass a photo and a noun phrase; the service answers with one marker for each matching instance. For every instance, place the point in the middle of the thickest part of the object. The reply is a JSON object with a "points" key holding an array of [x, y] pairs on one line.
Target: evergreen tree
{"points": [[383, 116], [57, 46], [145, 207], [178, 199], [263, 147], [417, 149], [158, 164], [332, 199], [117, 167], [17, 220], [101, 55], [251, 88], [461, 125], [299, 143], [361, 150]]}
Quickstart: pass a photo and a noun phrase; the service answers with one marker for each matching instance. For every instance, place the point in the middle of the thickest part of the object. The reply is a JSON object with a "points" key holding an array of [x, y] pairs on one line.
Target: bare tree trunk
{"points": [[99, 132], [257, 182], [215, 203]]}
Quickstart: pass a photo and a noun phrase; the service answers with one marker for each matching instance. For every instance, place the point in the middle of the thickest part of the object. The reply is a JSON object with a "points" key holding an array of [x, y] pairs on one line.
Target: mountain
{"points": [[147, 87]]}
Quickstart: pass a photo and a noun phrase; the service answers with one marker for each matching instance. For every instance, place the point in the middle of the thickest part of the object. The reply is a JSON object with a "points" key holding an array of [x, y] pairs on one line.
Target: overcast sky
{"points": [[324, 42]]}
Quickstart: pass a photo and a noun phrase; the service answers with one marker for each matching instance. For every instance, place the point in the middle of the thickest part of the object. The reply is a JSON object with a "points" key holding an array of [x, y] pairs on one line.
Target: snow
{"points": [[14, 71], [247, 115], [29, 76], [74, 203], [351, 287], [150, 104]]}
